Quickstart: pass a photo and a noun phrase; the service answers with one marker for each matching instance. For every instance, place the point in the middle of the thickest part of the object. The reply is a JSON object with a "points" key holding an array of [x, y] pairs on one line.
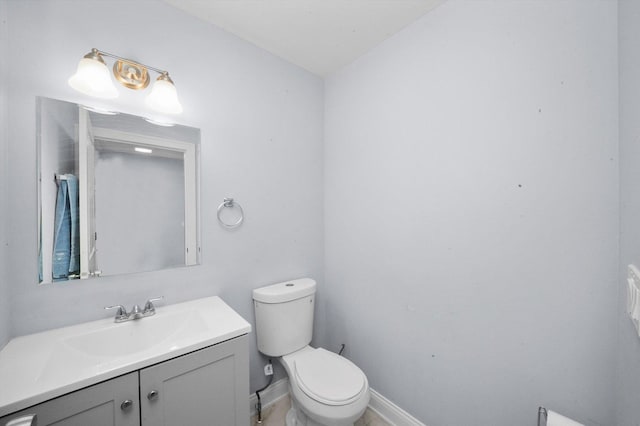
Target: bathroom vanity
{"points": [[188, 364]]}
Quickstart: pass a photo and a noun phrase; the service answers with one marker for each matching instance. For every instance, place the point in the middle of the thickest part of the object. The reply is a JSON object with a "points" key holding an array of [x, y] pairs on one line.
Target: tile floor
{"points": [[274, 415]]}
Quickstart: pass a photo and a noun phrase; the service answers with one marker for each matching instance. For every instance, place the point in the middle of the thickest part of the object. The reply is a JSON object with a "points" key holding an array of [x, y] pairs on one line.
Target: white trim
{"points": [[390, 412], [86, 194], [384, 408], [138, 139], [270, 395]]}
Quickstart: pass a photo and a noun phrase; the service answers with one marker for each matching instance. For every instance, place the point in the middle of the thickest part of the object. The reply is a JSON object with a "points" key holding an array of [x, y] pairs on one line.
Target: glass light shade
{"points": [[92, 78], [164, 97]]}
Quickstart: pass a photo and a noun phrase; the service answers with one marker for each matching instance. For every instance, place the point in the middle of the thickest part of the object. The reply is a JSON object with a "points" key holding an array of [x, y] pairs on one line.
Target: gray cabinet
{"points": [[209, 387], [99, 405]]}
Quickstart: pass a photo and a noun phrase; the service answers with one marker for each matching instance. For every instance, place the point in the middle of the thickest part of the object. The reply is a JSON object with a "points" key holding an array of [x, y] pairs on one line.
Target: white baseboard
{"points": [[270, 395], [386, 409], [391, 412]]}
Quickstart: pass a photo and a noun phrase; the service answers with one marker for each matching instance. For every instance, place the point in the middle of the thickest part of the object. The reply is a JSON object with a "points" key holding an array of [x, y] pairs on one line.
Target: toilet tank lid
{"points": [[285, 291]]}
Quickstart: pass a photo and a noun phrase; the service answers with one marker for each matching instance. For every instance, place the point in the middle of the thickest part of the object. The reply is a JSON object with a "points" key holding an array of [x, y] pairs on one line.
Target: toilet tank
{"points": [[284, 316]]}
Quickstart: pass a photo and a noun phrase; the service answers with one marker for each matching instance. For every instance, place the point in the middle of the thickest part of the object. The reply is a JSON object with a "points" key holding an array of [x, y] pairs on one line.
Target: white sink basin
{"points": [[105, 344], [45, 365], [126, 338]]}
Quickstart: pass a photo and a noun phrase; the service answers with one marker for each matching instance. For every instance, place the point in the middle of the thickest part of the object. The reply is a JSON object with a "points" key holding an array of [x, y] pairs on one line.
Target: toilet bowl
{"points": [[326, 389]]}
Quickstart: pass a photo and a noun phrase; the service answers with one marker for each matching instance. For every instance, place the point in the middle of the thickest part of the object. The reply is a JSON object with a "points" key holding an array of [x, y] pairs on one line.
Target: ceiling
{"points": [[320, 36]]}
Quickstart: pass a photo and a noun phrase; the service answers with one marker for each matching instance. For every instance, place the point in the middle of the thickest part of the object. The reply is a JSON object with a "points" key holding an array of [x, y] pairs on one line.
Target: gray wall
{"points": [[261, 121], [471, 214], [4, 279], [628, 408]]}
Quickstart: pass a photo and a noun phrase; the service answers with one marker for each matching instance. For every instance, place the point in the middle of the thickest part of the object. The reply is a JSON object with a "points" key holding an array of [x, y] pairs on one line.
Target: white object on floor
{"points": [[633, 296], [555, 419]]}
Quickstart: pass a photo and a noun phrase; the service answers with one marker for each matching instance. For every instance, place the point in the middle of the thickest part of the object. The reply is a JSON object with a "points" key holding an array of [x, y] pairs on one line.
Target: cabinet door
{"points": [[209, 387], [98, 405]]}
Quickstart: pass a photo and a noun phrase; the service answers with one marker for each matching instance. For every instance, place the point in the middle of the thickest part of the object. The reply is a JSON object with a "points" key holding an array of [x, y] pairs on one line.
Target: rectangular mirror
{"points": [[117, 194]]}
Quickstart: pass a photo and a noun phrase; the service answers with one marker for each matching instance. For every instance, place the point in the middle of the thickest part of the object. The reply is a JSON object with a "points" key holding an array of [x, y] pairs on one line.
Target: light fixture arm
{"points": [[120, 58]]}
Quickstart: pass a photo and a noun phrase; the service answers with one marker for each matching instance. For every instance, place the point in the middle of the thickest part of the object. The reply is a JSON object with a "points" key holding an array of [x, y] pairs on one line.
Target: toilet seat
{"points": [[329, 378]]}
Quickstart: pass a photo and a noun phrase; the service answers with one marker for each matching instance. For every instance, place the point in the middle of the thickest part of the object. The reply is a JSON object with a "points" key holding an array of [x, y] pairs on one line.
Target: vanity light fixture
{"points": [[92, 78]]}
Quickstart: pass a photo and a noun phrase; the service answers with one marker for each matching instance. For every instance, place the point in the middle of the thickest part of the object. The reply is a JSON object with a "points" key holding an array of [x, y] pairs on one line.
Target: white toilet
{"points": [[326, 389]]}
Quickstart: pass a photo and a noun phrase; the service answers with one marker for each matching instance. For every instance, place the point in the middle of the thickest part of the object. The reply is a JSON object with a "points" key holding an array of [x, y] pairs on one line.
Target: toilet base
{"points": [[297, 417], [290, 419], [306, 411]]}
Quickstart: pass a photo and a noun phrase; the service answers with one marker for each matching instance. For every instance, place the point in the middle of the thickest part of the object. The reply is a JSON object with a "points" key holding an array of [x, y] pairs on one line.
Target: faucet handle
{"points": [[121, 313], [148, 307]]}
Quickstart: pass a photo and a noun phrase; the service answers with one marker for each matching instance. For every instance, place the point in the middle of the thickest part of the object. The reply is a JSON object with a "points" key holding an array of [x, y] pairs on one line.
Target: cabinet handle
{"points": [[126, 404], [152, 395]]}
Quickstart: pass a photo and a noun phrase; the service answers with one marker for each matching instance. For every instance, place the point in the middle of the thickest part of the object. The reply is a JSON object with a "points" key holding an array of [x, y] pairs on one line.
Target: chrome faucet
{"points": [[149, 309], [121, 313], [136, 312]]}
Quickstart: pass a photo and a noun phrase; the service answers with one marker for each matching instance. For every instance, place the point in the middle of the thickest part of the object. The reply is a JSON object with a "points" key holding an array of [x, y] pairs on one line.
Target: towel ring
{"points": [[228, 202]]}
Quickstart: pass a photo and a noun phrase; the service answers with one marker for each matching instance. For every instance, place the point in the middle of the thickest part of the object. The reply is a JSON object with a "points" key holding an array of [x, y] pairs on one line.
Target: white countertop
{"points": [[42, 366]]}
